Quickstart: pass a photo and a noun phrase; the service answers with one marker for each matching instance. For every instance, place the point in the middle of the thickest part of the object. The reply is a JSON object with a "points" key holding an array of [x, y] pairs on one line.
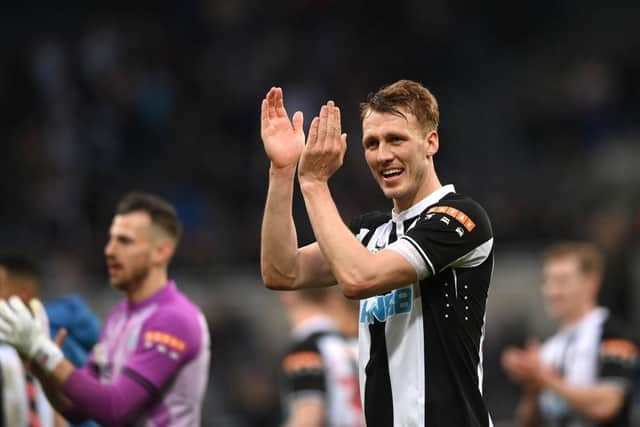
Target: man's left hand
{"points": [[326, 145]]}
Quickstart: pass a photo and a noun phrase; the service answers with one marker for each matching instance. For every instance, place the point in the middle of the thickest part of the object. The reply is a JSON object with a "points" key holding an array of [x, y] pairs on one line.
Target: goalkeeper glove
{"points": [[19, 328]]}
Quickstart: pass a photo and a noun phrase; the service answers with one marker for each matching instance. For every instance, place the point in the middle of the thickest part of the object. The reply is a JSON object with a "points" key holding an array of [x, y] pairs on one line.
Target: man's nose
{"points": [[108, 248], [384, 152]]}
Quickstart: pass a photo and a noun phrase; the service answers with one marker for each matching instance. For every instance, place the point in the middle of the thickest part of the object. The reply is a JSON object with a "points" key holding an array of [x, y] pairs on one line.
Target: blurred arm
{"points": [[52, 389], [307, 413], [600, 402], [528, 411]]}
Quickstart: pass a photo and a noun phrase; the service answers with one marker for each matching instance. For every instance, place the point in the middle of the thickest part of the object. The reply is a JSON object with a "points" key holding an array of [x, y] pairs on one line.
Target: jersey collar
{"points": [[593, 318], [422, 204]]}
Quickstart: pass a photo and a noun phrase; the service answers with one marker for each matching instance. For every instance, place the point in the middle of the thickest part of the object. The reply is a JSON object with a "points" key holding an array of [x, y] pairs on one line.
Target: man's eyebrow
{"points": [[395, 134]]}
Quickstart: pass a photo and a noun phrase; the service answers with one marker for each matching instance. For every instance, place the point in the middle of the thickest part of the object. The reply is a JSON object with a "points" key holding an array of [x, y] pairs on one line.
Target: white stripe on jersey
{"points": [[475, 257], [412, 252]]}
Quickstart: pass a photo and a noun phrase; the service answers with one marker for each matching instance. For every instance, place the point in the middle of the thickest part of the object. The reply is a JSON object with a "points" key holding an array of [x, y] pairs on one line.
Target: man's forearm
{"points": [[279, 241], [350, 261], [528, 411], [53, 389], [599, 402], [108, 404]]}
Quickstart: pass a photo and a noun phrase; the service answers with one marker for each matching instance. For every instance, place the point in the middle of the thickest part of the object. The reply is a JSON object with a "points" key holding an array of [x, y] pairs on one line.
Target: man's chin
{"points": [[118, 284], [390, 193]]}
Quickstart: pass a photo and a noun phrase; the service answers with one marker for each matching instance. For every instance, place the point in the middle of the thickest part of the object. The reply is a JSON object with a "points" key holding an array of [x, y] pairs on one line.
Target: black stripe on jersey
{"points": [[378, 401], [146, 384], [393, 235]]}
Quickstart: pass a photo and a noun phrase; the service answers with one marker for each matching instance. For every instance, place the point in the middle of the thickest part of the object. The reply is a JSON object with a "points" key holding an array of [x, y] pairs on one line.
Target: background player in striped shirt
{"points": [[421, 271], [584, 374], [319, 370], [150, 365]]}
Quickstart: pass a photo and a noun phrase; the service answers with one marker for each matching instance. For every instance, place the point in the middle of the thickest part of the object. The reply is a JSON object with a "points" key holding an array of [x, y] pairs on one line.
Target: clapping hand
{"points": [[23, 330], [283, 139], [324, 152]]}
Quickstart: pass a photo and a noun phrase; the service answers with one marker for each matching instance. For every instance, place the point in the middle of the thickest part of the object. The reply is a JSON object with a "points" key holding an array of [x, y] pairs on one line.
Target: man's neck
{"points": [[155, 281], [430, 184], [577, 317]]}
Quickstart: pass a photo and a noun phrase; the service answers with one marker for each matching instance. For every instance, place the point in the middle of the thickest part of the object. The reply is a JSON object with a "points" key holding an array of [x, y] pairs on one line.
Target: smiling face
{"points": [[399, 154], [129, 251]]}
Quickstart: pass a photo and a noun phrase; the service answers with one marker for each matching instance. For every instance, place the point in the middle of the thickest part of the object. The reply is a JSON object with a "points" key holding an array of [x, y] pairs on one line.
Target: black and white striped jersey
{"points": [[598, 349], [421, 345], [321, 364]]}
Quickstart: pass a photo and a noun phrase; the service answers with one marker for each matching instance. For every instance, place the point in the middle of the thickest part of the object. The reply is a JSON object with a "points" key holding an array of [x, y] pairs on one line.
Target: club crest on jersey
{"points": [[383, 307]]}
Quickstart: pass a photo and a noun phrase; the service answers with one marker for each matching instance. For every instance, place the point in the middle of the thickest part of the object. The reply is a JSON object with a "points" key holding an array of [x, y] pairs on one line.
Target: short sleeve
{"points": [[303, 372], [454, 233], [168, 340], [617, 356]]}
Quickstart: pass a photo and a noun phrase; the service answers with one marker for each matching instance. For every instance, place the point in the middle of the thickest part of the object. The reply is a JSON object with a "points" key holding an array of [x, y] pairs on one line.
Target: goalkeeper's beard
{"points": [[133, 279]]}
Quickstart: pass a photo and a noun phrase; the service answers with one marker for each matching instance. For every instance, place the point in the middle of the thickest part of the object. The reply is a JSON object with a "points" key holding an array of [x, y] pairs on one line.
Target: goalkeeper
{"points": [[151, 363]]}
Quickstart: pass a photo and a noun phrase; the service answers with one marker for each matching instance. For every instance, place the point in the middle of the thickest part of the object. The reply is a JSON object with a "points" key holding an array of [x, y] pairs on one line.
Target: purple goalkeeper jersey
{"points": [[163, 344]]}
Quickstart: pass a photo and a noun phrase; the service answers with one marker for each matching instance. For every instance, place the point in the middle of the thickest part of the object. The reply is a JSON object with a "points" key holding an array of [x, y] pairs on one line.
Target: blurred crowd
{"points": [[540, 122]]}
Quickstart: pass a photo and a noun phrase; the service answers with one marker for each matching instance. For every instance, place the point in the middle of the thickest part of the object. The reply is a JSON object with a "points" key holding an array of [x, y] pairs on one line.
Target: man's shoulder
{"points": [[614, 328], [303, 355], [179, 309], [307, 343], [462, 208], [461, 202]]}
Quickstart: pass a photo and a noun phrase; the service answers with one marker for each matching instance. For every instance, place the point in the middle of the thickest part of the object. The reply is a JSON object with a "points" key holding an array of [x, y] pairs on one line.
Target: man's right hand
{"points": [[283, 139]]}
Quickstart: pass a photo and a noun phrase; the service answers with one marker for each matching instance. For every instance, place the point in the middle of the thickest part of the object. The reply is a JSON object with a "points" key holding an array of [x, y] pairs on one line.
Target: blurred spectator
{"points": [[584, 374]]}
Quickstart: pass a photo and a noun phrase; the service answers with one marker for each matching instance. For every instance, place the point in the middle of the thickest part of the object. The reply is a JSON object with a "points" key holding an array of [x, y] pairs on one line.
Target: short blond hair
{"points": [[408, 94], [590, 259]]}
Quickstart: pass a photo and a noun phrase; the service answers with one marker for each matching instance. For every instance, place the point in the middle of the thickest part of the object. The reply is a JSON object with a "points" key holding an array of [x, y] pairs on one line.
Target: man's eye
{"points": [[371, 144]]}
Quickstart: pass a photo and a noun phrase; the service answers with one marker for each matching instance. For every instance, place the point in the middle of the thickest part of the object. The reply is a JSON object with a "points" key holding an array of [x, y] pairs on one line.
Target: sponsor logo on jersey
{"points": [[383, 307], [620, 349], [164, 341], [457, 214]]}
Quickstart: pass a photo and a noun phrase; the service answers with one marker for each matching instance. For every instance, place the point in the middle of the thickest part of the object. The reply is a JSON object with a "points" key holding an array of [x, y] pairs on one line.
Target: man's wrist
{"points": [[287, 172], [46, 354], [308, 186], [548, 378]]}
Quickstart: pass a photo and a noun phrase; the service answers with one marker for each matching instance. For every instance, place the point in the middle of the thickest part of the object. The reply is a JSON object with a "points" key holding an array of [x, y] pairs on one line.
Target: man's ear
{"points": [[432, 143], [595, 283], [163, 251]]}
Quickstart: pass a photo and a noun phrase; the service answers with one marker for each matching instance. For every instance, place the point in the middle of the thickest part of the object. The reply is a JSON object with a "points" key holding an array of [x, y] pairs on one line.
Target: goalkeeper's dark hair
{"points": [[161, 212], [20, 265]]}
